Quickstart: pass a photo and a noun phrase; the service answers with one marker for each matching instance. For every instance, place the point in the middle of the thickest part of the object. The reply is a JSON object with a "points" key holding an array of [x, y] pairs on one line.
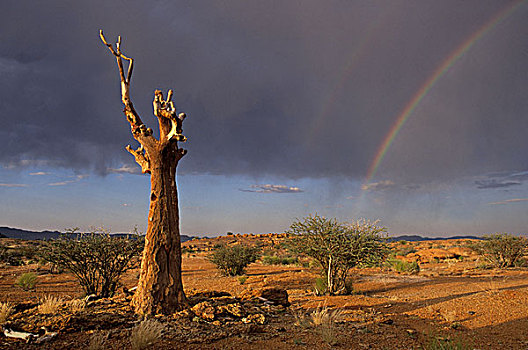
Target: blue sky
{"points": [[288, 104]]}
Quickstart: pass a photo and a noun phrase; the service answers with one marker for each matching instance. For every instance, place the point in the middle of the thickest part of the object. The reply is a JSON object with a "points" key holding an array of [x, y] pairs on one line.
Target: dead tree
{"points": [[160, 288]]}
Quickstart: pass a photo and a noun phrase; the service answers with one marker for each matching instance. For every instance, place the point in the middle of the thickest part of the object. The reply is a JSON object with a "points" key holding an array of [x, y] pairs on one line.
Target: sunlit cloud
{"points": [[39, 173], [13, 185], [508, 201], [67, 182], [378, 186], [272, 189]]}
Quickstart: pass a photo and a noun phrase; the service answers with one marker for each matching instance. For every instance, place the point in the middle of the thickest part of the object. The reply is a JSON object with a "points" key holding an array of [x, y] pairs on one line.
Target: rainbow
{"points": [[458, 53]]}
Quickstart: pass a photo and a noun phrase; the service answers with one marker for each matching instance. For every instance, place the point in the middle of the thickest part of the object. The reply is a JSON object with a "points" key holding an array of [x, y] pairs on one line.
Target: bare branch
{"points": [[139, 130], [103, 39], [141, 157]]}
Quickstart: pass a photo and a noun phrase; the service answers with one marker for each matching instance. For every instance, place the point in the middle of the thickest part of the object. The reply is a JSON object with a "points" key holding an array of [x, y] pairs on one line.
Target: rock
{"points": [[204, 310], [255, 318], [234, 309]]}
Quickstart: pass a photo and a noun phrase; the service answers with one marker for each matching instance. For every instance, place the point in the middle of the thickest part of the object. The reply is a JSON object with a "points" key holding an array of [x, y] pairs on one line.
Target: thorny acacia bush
{"points": [[232, 260], [502, 249], [338, 247], [96, 259]]}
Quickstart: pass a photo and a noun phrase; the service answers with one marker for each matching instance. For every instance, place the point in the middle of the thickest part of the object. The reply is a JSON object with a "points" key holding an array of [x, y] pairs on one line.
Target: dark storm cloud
{"points": [[483, 184], [503, 179], [297, 88]]}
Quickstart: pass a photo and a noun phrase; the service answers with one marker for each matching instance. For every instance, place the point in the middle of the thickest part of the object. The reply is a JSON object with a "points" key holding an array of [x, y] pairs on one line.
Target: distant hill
{"points": [[415, 238], [8, 232]]}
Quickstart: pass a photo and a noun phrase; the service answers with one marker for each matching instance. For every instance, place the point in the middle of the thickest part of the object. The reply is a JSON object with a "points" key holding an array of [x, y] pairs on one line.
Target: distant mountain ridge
{"points": [[414, 238], [8, 232]]}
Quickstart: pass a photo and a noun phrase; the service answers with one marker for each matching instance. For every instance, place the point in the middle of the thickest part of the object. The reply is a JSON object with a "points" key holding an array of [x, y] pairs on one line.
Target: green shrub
{"points": [[404, 266], [403, 251], [338, 247], [27, 281], [502, 249], [275, 260], [321, 286], [242, 279], [96, 259], [232, 260]]}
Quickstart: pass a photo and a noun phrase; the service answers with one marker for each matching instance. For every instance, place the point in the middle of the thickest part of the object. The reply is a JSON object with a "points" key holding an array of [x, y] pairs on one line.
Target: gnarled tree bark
{"points": [[160, 288]]}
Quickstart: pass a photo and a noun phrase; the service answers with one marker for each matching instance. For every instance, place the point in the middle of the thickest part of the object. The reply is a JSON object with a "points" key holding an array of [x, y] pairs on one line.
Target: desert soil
{"points": [[451, 298]]}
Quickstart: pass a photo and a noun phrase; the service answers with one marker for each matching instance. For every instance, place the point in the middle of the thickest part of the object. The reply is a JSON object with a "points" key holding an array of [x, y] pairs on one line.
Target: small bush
{"points": [[404, 266], [275, 260], [6, 309], [338, 247], [242, 279], [232, 260], [27, 281], [50, 305], [403, 251], [502, 249], [146, 334], [96, 259]]}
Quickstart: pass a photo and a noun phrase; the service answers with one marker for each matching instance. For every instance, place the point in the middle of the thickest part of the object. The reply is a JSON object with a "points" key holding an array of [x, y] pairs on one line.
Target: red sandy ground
{"points": [[485, 309]]}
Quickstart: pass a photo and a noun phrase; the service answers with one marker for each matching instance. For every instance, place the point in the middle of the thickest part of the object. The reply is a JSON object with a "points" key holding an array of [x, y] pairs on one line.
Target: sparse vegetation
{"points": [[27, 281], [440, 343], [96, 259], [232, 260], [276, 260], [404, 266], [145, 334], [242, 279], [338, 247], [50, 305], [6, 309], [502, 249]]}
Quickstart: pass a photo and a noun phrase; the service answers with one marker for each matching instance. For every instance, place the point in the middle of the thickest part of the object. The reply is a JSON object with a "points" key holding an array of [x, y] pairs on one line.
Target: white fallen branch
{"points": [[19, 335]]}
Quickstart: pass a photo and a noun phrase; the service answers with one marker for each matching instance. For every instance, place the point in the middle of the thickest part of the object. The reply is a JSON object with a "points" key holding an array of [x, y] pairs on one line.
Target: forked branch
{"points": [[141, 157], [131, 114], [171, 123]]}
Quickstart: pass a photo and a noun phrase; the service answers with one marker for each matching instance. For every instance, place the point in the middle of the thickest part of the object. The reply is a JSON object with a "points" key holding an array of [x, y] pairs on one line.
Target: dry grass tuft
{"points": [[76, 305], [323, 315], [97, 341], [50, 304], [6, 309], [145, 334], [301, 320], [325, 319]]}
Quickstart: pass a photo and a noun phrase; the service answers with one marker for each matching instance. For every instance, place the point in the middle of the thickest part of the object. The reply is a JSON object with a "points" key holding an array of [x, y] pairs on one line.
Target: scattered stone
{"points": [[204, 310]]}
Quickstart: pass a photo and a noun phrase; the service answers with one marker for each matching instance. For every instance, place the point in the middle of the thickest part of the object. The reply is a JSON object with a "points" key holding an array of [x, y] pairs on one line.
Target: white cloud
{"points": [[125, 169], [272, 189], [39, 173], [66, 182]]}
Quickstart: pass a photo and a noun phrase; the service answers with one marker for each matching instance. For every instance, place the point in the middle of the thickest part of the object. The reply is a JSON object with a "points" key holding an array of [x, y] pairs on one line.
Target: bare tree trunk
{"points": [[160, 288]]}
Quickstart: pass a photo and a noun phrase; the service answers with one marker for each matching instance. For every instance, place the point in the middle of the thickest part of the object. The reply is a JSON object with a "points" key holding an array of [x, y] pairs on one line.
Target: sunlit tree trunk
{"points": [[160, 288]]}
